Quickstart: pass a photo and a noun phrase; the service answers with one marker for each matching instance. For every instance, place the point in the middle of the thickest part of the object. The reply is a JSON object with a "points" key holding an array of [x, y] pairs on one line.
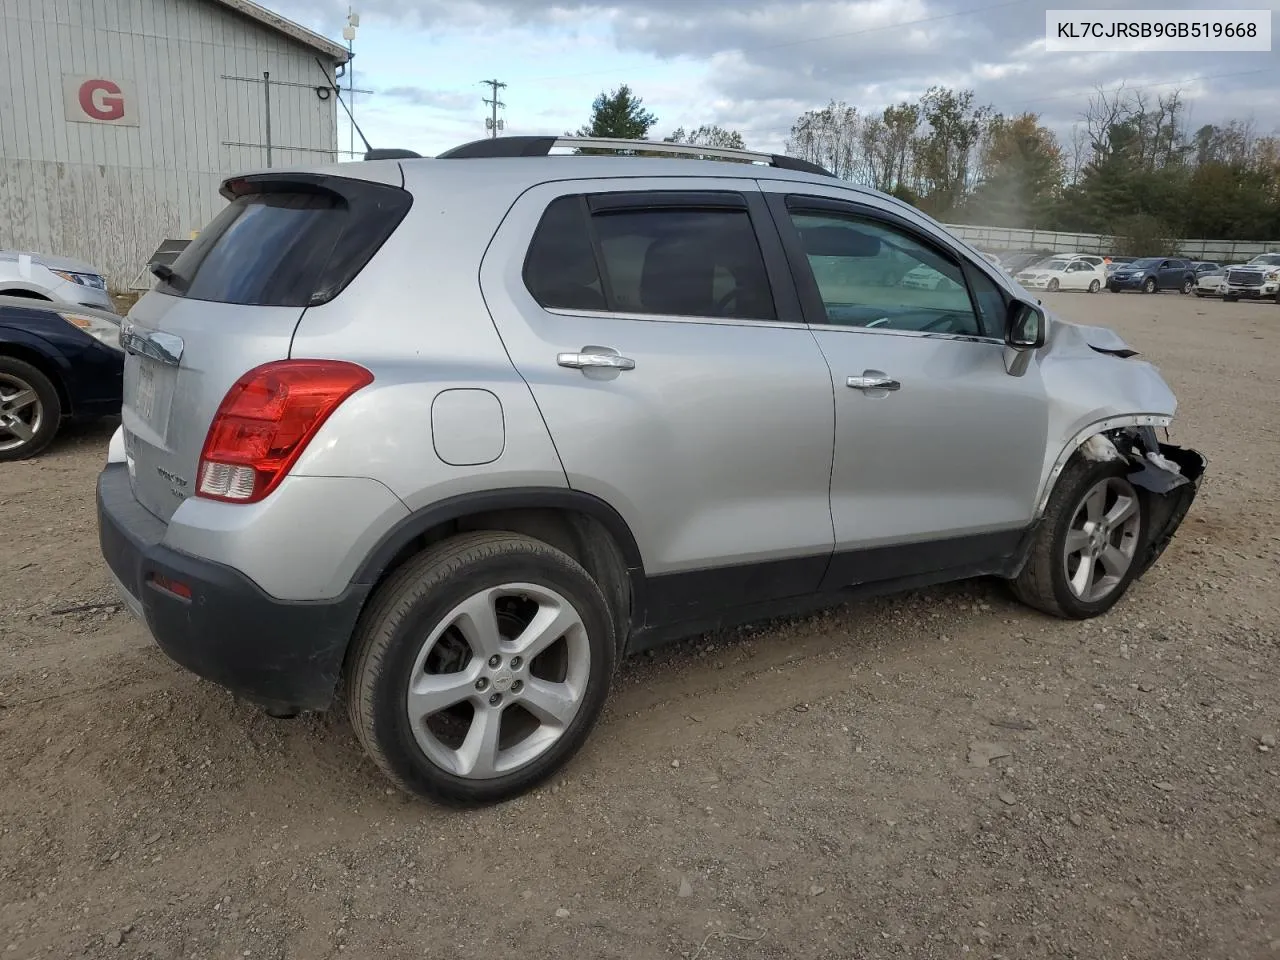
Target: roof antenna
{"points": [[338, 91]]}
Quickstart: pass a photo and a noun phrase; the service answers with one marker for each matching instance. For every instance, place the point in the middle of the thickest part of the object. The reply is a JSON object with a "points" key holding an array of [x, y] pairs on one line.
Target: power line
{"points": [[494, 124]]}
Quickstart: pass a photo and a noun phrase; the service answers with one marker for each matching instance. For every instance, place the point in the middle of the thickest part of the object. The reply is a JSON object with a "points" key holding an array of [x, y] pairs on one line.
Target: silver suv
{"points": [[445, 438]]}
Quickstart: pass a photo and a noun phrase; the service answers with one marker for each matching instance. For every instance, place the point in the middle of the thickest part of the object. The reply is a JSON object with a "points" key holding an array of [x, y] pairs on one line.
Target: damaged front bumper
{"points": [[1171, 478]]}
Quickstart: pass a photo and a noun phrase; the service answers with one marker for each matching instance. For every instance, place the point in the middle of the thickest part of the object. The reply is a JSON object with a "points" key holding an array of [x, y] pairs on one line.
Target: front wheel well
{"points": [[577, 533], [26, 294]]}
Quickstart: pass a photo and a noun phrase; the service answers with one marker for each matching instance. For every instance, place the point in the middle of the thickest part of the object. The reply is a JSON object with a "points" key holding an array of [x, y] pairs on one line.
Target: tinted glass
{"points": [[266, 250], [684, 262], [560, 269], [902, 285]]}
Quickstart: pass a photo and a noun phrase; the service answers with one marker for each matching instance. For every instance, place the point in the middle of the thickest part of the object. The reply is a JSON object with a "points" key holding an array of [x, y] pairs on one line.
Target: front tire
{"points": [[1053, 285], [480, 668], [1085, 554], [1226, 299], [1149, 285], [30, 410]]}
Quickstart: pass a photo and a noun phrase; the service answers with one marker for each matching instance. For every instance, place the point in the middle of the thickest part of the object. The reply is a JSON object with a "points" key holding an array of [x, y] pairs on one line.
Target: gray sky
{"points": [[752, 65]]}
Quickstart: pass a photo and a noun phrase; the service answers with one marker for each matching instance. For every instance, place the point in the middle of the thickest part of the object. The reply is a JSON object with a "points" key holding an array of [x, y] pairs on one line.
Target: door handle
{"points": [[582, 361], [873, 383]]}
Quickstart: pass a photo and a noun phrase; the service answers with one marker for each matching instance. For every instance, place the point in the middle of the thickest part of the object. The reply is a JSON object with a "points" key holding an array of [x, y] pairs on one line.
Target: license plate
{"points": [[144, 400]]}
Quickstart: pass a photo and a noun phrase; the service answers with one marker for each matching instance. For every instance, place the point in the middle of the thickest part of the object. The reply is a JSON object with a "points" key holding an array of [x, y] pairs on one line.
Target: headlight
{"points": [[106, 332], [83, 279], [1274, 275]]}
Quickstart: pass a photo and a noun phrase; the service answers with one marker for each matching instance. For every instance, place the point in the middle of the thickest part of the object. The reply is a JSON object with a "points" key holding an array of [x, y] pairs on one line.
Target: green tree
{"points": [[945, 152], [618, 114], [708, 136], [1021, 171]]}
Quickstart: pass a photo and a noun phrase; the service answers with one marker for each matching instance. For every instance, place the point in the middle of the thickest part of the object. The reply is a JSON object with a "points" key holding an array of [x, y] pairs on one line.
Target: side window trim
{"points": [[781, 205]]}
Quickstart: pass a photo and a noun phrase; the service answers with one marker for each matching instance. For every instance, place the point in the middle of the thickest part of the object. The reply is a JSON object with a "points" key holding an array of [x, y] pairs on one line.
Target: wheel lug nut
{"points": [[495, 661], [482, 684], [495, 699], [515, 663], [517, 686]]}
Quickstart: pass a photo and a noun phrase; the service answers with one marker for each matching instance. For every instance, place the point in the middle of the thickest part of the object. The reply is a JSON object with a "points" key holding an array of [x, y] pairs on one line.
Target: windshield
{"points": [[1056, 265], [1269, 259], [1145, 262]]}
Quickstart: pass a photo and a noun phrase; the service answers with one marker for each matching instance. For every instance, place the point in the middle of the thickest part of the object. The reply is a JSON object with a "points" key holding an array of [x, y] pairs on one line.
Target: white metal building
{"points": [[118, 118]]}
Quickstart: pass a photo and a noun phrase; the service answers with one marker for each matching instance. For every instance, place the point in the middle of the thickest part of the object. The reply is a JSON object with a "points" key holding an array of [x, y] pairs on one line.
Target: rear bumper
{"points": [[280, 654]]}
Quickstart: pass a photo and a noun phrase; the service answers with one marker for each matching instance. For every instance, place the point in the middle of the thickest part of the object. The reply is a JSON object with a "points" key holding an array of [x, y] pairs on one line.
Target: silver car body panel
{"points": [[23, 272], [729, 442], [715, 449]]}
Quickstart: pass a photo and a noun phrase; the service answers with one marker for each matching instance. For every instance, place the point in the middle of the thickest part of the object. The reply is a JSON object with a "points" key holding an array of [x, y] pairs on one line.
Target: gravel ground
{"points": [[940, 774]]}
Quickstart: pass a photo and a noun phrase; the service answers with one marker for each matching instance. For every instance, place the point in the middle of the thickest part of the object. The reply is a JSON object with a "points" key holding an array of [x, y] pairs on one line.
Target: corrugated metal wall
{"points": [[109, 194]]}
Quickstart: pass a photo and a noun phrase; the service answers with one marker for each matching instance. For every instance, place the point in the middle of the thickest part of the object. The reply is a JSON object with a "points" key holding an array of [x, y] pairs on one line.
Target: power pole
{"points": [[493, 123]]}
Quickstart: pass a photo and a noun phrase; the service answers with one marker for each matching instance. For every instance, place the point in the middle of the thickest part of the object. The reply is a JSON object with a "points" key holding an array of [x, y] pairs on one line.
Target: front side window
{"points": [[873, 274], [663, 260]]}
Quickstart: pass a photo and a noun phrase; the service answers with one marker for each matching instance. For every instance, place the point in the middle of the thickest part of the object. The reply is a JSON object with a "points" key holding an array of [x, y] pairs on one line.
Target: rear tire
{"points": [[1095, 520], [464, 609], [1095, 286], [30, 411], [1187, 287]]}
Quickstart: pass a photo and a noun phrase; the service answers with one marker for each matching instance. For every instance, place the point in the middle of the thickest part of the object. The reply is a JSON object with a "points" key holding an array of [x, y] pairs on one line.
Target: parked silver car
{"points": [[447, 437], [42, 276]]}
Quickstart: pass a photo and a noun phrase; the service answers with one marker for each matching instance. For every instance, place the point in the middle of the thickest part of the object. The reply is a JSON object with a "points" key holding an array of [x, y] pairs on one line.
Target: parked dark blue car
{"points": [[1151, 274], [57, 362]]}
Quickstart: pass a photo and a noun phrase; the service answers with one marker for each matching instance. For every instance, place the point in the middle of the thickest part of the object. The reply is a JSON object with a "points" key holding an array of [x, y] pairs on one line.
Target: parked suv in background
{"points": [[1152, 274], [40, 276], [1255, 280], [448, 437]]}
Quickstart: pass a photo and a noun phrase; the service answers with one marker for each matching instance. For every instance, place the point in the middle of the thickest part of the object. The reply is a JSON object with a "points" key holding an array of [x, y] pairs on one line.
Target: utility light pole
{"points": [[349, 35], [492, 123]]}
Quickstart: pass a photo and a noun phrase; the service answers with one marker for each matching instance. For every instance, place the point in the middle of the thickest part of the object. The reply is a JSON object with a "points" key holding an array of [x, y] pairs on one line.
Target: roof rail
{"points": [[542, 146], [391, 153]]}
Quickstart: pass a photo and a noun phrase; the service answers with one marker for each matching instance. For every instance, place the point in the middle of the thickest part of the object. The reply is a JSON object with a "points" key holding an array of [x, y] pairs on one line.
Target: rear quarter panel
{"points": [[416, 318]]}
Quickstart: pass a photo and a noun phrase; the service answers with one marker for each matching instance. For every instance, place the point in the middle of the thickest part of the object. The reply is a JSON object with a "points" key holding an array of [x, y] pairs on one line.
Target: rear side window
{"points": [[670, 260], [284, 247]]}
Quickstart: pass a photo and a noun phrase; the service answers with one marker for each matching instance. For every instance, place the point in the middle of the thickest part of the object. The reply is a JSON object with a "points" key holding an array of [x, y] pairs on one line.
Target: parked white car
{"points": [[1209, 284], [41, 276], [1064, 274]]}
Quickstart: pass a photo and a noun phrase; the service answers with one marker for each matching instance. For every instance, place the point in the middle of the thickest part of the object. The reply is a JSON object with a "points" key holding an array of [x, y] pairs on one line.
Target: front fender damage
{"points": [[1168, 476]]}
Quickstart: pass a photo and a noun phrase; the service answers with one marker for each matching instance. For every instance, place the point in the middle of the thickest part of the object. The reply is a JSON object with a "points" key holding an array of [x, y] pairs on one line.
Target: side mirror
{"points": [[1024, 326]]}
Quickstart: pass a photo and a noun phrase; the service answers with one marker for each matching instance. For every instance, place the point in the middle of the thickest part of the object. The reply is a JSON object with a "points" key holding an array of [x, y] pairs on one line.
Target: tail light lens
{"points": [[265, 422]]}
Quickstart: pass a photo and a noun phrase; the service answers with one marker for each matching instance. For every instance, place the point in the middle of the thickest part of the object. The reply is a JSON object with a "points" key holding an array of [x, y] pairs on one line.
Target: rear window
{"points": [[287, 247]]}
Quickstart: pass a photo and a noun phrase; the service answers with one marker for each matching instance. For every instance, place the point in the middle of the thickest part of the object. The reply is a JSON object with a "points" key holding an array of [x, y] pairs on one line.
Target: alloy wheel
{"points": [[498, 681], [1102, 539], [21, 412]]}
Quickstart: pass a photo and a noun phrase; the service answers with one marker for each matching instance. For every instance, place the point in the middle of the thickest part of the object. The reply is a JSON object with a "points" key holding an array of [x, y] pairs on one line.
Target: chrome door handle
{"points": [[873, 383], [608, 361]]}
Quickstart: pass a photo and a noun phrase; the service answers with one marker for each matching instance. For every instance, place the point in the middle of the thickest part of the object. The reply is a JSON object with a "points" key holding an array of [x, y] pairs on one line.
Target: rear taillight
{"points": [[265, 422]]}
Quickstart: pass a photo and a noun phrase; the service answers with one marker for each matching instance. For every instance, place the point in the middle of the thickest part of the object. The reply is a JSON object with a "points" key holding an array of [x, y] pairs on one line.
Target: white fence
{"points": [[996, 239]]}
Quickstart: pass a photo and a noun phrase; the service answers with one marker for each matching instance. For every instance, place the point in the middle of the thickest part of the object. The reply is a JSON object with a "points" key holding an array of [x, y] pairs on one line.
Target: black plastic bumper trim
{"points": [[281, 654]]}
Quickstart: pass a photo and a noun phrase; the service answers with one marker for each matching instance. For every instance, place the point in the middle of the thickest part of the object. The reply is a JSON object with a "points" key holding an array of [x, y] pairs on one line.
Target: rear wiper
{"points": [[168, 275]]}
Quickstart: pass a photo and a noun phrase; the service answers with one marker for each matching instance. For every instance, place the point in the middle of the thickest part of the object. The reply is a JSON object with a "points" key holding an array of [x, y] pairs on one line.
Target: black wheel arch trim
{"points": [[488, 501]]}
